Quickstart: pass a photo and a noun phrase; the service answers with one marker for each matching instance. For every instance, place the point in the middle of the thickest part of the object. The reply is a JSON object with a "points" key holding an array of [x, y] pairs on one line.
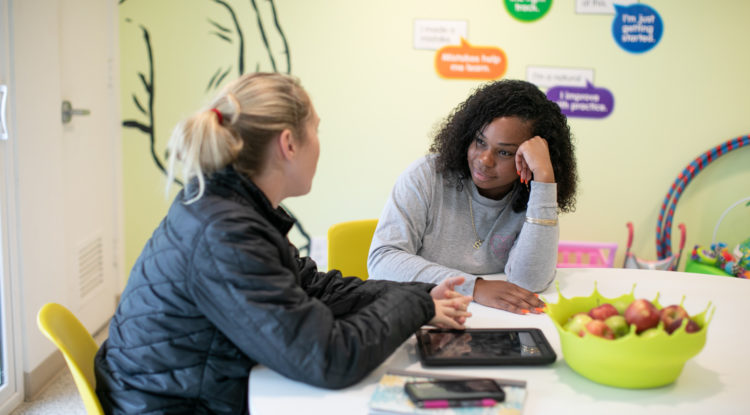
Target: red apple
{"points": [[577, 323], [642, 314], [672, 317], [600, 328], [603, 311], [692, 326]]}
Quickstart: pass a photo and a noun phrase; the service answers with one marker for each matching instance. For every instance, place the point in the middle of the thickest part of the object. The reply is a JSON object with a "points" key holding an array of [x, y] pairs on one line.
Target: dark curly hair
{"points": [[508, 98]]}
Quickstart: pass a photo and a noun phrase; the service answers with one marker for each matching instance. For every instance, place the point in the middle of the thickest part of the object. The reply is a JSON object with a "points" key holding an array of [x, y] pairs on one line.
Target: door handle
{"points": [[3, 124], [68, 112]]}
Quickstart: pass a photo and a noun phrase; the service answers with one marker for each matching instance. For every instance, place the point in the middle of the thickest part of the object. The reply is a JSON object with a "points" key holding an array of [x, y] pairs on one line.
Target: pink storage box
{"points": [[583, 254]]}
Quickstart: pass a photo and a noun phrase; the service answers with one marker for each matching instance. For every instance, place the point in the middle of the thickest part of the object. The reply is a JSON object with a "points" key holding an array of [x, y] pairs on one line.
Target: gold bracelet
{"points": [[543, 222]]}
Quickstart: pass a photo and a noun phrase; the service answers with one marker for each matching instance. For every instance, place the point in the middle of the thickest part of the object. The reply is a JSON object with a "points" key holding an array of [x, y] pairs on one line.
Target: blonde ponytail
{"points": [[202, 145], [236, 128]]}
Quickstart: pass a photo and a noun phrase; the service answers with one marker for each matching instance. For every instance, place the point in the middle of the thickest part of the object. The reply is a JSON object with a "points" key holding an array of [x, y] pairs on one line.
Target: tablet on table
{"points": [[517, 346]]}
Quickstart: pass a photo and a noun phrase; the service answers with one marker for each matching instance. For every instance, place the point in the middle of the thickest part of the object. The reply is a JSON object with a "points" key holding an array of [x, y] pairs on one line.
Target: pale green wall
{"points": [[380, 100]]}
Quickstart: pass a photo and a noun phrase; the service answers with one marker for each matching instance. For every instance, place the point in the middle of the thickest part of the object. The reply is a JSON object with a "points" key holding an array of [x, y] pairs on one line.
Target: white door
{"points": [[89, 155], [60, 202]]}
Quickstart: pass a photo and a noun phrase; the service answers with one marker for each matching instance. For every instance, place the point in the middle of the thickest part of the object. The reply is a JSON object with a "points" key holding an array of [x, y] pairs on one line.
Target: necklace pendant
{"points": [[478, 243]]}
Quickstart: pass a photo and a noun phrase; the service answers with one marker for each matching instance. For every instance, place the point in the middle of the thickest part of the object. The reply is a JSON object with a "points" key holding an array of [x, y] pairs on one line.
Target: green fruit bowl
{"points": [[652, 359]]}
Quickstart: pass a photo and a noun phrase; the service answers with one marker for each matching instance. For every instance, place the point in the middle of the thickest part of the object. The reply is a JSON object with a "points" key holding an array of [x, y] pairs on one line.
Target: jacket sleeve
{"points": [[346, 295], [241, 284]]}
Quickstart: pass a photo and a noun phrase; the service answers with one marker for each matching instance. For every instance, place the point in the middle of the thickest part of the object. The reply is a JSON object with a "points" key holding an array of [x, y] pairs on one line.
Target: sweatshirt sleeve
{"points": [[533, 258], [242, 286], [398, 237]]}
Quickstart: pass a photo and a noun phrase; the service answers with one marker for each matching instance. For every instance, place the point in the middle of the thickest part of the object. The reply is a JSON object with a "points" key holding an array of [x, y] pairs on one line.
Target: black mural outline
{"points": [[240, 37], [263, 35], [213, 83], [148, 85], [283, 37], [223, 34]]}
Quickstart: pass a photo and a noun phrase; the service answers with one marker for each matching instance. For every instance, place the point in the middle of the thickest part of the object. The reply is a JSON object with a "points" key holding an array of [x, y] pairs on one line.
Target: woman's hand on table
{"points": [[507, 296]]}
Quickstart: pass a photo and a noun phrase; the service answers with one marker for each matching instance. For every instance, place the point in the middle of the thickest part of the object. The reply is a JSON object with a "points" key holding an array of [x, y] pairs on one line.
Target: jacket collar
{"points": [[230, 183]]}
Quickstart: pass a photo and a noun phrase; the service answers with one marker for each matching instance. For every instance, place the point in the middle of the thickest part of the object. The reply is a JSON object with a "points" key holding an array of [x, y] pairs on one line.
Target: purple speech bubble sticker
{"points": [[587, 102]]}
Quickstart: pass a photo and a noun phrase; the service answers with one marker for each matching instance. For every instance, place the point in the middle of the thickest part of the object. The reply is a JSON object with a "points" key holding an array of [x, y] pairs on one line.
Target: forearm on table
{"points": [[396, 265], [532, 263]]}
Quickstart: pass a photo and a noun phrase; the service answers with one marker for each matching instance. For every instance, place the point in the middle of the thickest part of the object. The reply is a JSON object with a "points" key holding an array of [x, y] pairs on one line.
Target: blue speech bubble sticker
{"points": [[637, 28], [586, 102]]}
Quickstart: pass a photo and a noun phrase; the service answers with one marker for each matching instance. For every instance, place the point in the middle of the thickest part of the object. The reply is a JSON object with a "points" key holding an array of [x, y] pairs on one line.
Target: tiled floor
{"points": [[60, 397]]}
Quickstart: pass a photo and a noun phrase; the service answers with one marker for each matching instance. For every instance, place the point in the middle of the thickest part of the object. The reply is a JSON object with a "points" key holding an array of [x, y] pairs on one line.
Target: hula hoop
{"points": [[664, 221]]}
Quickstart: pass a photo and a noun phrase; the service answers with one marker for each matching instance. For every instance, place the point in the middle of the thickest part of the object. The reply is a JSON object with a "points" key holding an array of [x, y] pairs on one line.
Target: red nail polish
{"points": [[525, 311]]}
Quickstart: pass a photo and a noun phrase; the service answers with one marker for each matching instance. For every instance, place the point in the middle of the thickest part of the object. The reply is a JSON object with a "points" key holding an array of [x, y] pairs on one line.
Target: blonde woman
{"points": [[219, 288]]}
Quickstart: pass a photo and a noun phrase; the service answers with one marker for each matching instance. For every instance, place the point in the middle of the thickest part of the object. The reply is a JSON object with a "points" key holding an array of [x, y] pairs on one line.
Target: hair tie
{"points": [[218, 115]]}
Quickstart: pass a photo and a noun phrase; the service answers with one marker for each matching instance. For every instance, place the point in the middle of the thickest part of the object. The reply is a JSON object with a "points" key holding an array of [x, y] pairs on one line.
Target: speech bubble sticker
{"points": [[637, 28], [586, 102], [528, 10], [465, 61], [600, 6], [434, 34], [547, 77]]}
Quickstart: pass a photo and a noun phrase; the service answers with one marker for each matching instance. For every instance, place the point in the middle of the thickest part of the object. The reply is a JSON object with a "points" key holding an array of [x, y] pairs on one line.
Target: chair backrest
{"points": [[77, 346], [580, 254], [348, 246]]}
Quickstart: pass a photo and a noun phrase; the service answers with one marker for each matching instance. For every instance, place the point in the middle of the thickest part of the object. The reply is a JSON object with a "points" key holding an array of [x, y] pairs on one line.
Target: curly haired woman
{"points": [[484, 201]]}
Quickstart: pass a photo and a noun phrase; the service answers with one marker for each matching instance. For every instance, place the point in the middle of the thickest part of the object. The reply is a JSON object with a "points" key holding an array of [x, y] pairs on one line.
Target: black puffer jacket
{"points": [[219, 288]]}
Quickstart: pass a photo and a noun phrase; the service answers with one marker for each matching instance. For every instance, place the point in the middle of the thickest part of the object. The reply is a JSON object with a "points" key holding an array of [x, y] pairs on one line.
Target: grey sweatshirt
{"points": [[425, 233]]}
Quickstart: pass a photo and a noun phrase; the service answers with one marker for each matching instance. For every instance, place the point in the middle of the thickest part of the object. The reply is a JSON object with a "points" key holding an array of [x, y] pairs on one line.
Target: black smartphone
{"points": [[454, 393]]}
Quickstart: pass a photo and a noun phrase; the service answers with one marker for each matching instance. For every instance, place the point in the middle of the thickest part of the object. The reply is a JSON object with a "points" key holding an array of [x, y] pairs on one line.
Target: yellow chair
{"points": [[348, 245], [77, 346]]}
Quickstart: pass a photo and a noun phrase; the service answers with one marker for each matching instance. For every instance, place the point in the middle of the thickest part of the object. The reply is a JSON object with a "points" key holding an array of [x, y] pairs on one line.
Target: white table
{"points": [[716, 381]]}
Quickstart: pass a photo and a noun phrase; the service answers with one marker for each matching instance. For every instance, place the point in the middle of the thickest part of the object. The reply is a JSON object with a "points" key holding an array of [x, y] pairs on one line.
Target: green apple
{"points": [[621, 305], [577, 323], [648, 333], [618, 325]]}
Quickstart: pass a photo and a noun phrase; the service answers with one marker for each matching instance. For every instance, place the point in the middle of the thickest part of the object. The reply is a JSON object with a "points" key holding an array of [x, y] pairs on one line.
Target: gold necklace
{"points": [[478, 242]]}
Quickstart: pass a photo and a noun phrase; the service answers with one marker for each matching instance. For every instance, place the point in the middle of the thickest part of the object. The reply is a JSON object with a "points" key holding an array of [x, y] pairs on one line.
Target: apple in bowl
{"points": [[600, 328], [643, 314], [604, 311], [618, 324], [577, 323], [672, 316]]}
